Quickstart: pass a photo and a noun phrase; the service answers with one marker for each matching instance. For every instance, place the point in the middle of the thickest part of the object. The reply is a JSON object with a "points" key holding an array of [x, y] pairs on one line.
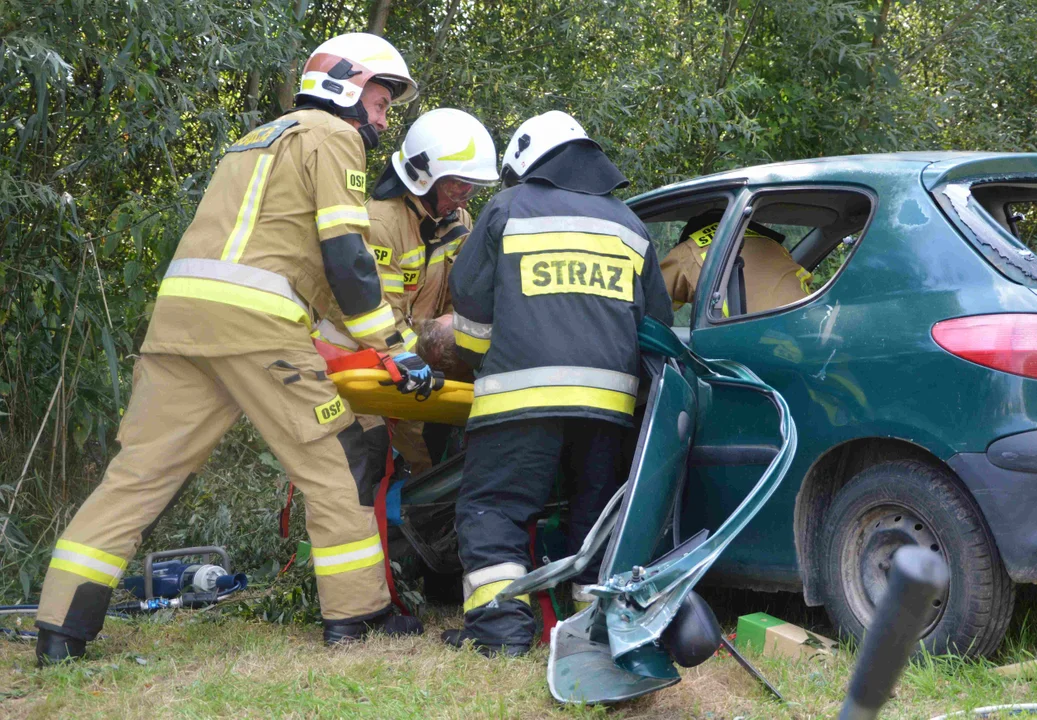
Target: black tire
{"points": [[908, 502]]}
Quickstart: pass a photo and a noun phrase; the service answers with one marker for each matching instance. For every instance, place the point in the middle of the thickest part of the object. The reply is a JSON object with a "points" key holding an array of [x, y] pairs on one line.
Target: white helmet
{"points": [[340, 67], [535, 138], [445, 143]]}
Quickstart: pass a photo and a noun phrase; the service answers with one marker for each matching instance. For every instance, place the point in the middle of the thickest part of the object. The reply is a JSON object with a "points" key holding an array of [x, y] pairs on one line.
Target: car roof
{"points": [[939, 166]]}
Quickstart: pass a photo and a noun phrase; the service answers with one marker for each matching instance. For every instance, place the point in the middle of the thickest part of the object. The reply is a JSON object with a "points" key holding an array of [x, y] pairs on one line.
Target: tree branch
{"points": [[948, 30], [741, 45]]}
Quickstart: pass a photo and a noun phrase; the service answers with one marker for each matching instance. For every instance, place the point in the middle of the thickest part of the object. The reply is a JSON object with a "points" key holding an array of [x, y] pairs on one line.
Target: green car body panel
{"points": [[856, 360]]}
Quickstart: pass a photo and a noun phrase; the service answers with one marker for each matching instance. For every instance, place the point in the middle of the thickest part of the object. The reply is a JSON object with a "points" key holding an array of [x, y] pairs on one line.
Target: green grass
{"points": [[214, 664]]}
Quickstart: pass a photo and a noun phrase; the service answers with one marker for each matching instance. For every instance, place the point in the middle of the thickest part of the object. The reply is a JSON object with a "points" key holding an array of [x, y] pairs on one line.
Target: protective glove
{"points": [[415, 376]]}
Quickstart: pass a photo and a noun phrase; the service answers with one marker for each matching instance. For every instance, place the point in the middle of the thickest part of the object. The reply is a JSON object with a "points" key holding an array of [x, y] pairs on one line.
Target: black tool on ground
{"points": [[917, 578], [175, 584]]}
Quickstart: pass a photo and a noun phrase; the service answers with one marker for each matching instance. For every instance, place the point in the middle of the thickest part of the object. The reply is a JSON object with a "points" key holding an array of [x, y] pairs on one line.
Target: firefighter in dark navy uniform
{"points": [[278, 243], [548, 293]]}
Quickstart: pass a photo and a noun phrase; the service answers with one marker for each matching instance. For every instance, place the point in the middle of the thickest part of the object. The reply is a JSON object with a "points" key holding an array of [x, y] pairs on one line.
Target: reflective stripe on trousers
{"points": [[481, 586], [555, 386], [93, 564], [351, 556], [234, 284]]}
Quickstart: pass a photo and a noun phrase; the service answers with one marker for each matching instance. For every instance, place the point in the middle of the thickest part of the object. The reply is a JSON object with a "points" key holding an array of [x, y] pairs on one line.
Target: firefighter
{"points": [[772, 277], [548, 293], [279, 240], [418, 224]]}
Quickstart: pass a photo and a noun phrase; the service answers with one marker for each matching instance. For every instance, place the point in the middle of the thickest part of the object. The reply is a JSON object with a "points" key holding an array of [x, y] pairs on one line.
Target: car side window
{"points": [[1022, 220], [683, 239], [793, 245]]}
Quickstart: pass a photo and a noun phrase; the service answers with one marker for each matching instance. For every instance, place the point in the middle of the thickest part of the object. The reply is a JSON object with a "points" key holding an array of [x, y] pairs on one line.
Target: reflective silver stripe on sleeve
{"points": [[575, 223], [495, 573], [236, 274], [342, 215], [373, 321], [558, 375], [470, 327], [392, 283], [327, 331]]}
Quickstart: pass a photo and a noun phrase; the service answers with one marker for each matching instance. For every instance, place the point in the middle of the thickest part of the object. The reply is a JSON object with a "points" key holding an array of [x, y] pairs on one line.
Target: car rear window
{"points": [[1000, 220], [1023, 218]]}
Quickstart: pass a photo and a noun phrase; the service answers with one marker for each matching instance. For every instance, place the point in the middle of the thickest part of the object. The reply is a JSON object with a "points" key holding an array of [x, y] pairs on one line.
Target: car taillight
{"points": [[1004, 342]]}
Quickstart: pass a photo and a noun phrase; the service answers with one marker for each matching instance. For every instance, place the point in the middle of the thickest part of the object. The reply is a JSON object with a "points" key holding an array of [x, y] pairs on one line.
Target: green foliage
{"points": [[114, 113]]}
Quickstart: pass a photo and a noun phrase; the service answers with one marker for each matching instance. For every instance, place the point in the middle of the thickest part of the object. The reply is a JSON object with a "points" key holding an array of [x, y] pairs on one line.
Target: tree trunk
{"points": [[252, 98], [880, 26], [286, 90], [379, 16]]}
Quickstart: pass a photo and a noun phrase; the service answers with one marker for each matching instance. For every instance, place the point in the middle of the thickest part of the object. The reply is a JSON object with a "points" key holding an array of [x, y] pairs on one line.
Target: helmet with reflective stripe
{"points": [[339, 69], [535, 138], [446, 143]]}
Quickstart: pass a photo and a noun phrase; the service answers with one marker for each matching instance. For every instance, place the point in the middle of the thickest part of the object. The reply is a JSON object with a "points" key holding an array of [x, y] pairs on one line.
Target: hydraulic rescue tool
{"points": [[175, 584], [171, 584]]}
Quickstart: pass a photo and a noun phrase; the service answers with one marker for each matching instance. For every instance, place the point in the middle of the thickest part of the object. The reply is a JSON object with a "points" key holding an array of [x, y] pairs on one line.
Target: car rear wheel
{"points": [[904, 502]]}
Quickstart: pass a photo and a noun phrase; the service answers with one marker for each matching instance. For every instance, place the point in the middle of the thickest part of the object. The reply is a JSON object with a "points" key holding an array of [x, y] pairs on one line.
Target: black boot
{"points": [[506, 628], [53, 648], [457, 639], [356, 629]]}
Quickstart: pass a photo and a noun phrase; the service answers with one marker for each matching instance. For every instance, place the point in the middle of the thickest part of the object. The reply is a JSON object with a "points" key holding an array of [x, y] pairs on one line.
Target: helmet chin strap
{"points": [[368, 132], [432, 197]]}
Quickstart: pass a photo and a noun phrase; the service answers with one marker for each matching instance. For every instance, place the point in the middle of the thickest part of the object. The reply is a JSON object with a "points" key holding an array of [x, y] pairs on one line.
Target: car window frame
{"points": [[747, 200]]}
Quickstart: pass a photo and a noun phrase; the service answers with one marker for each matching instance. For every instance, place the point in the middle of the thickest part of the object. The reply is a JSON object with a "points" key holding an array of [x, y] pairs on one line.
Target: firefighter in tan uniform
{"points": [[418, 224], [772, 277], [278, 241]]}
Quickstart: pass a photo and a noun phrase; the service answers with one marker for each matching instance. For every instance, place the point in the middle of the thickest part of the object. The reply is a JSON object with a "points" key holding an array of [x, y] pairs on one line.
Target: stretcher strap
{"points": [[383, 525], [547, 611]]}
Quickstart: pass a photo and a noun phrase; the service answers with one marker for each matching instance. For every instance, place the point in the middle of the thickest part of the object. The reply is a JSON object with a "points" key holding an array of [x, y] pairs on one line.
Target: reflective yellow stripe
{"points": [[91, 552], [412, 259], [804, 279], [83, 571], [607, 244], [372, 322], [410, 339], [443, 252], [392, 283], [351, 556], [556, 396], [342, 215], [468, 342], [677, 305], [483, 595], [243, 297], [248, 211], [85, 561]]}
